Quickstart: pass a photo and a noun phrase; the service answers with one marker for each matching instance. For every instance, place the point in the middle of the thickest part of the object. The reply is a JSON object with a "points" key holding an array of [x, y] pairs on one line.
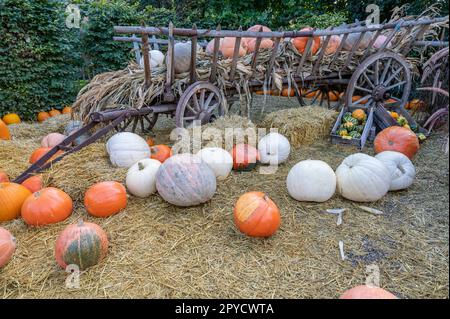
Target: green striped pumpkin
{"points": [[82, 244]]}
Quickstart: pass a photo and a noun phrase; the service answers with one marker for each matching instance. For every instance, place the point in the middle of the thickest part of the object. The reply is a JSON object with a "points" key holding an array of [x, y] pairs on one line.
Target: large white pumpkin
{"points": [[127, 148], [311, 181], [218, 159], [363, 178], [141, 177], [401, 168], [156, 59], [274, 149], [182, 57]]}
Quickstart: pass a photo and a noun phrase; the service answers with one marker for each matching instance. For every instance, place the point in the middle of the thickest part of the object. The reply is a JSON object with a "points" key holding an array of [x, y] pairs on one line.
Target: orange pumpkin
{"points": [[394, 114], [399, 139], [245, 157], [333, 44], [288, 92], [227, 47], [41, 151], [4, 131], [367, 292], [66, 110], [105, 199], [12, 196], [82, 244], [359, 114], [160, 152], [300, 43], [415, 104], [150, 142], [256, 215], [54, 112], [312, 94], [333, 96], [251, 42], [3, 177], [358, 97], [7, 246], [47, 206], [11, 118], [33, 183], [42, 116]]}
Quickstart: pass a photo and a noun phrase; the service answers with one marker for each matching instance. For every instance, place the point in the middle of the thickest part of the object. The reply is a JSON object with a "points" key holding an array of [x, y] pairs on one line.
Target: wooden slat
{"points": [[213, 75], [339, 49], [170, 73], [255, 54], [155, 43], [193, 74], [321, 54], [370, 45], [237, 45], [145, 52], [354, 48], [273, 56], [391, 35], [305, 54]]}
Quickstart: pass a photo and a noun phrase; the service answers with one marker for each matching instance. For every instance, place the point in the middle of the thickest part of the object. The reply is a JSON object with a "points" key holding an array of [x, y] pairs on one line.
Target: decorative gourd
{"points": [[401, 168], [42, 116], [11, 118], [415, 105], [12, 196], [127, 148], [354, 133], [47, 206], [311, 181], [333, 44], [363, 178], [380, 41], [399, 139], [141, 177], [66, 110], [105, 199], [251, 42], [182, 57], [256, 215], [156, 59], [54, 112], [273, 149], [38, 153], [288, 92], [3, 177], [52, 140], [160, 152], [219, 160], [367, 292], [82, 244], [7, 246], [74, 126], [301, 42], [227, 47], [359, 114], [184, 180], [33, 183], [245, 157], [4, 131]]}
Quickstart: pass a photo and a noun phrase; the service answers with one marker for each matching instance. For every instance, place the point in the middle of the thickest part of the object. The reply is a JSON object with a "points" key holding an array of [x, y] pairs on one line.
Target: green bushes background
{"points": [[43, 63]]}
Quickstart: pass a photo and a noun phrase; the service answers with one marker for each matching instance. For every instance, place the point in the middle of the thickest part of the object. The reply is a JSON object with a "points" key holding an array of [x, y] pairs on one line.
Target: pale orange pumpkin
{"points": [[367, 292], [42, 116], [54, 112], [52, 139], [256, 215], [333, 44], [4, 131], [3, 177], [301, 42], [251, 42], [397, 138], [227, 47], [160, 152], [210, 46], [12, 196], [288, 92], [47, 206], [105, 199], [7, 246], [33, 183], [245, 157]]}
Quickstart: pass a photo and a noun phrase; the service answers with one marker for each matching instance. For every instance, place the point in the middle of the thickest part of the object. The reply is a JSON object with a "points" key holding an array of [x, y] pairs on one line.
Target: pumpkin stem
{"points": [[141, 166]]}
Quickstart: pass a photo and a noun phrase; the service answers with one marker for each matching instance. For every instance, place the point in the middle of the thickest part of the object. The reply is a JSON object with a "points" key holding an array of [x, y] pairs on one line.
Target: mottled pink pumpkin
{"points": [[184, 180], [7, 246], [52, 139]]}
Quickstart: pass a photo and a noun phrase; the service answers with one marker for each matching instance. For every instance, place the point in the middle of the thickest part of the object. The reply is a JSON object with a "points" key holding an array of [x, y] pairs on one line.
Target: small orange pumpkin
{"points": [[7, 246], [67, 110], [251, 42], [333, 44], [333, 96], [256, 215], [42, 116], [227, 47], [160, 152], [245, 157], [38, 153], [358, 97], [11, 118], [47, 206], [415, 104], [12, 196], [105, 199], [301, 42], [33, 183], [312, 94], [4, 131], [3, 177], [397, 138], [288, 92], [54, 112], [367, 292], [359, 114], [394, 114]]}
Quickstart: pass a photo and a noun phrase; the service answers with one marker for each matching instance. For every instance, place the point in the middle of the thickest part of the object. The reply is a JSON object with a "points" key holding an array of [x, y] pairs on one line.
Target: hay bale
{"points": [[35, 131], [303, 125], [14, 155]]}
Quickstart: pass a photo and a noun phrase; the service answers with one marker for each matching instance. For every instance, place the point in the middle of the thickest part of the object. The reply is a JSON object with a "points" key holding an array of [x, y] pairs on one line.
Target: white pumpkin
{"points": [[141, 177], [401, 168], [181, 57], [274, 149], [218, 159], [311, 181], [127, 148], [363, 178], [156, 59]]}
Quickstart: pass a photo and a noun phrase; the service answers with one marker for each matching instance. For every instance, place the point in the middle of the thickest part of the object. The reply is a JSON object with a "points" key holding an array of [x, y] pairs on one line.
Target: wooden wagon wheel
{"points": [[202, 102], [384, 77], [144, 122]]}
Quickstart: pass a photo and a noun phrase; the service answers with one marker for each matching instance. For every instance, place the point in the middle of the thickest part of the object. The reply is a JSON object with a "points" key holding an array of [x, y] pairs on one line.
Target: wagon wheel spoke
{"points": [[193, 111], [196, 103], [202, 99], [364, 98], [395, 85], [208, 100], [368, 80], [392, 76], [363, 89], [385, 71], [318, 93], [212, 107], [376, 72]]}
